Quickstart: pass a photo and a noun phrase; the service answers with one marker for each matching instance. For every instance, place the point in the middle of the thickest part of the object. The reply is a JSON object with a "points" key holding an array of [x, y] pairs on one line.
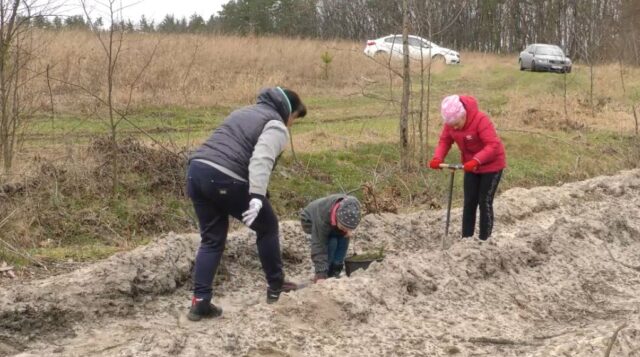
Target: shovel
{"points": [[452, 168]]}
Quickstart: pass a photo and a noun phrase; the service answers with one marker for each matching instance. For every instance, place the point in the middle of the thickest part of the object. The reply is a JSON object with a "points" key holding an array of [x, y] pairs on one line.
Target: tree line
{"points": [[592, 30]]}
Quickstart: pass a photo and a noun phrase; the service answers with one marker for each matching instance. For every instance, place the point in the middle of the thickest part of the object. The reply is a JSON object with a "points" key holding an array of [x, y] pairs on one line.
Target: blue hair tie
{"points": [[287, 99]]}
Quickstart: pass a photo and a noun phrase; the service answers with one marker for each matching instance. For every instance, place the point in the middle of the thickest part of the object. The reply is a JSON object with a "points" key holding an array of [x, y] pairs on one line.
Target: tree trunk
{"points": [[9, 112], [421, 115], [406, 89], [564, 87], [635, 117], [112, 120], [593, 105], [428, 116]]}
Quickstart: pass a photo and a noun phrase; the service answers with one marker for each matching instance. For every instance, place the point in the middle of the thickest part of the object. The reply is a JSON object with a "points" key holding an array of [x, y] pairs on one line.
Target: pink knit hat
{"points": [[452, 109]]}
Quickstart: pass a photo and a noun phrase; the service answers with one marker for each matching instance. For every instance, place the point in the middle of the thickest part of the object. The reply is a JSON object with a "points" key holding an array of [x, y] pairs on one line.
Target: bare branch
{"points": [[139, 76], [613, 339], [94, 29], [636, 268], [120, 114]]}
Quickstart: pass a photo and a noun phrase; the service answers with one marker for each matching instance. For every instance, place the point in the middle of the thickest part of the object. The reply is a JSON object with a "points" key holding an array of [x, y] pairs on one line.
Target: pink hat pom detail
{"points": [[452, 109]]}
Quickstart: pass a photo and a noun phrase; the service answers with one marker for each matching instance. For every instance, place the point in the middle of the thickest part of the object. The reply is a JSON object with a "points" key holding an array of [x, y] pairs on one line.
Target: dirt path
{"points": [[559, 277]]}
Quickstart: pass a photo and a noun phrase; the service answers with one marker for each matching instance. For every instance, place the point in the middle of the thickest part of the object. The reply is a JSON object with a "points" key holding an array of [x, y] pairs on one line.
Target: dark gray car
{"points": [[543, 57]]}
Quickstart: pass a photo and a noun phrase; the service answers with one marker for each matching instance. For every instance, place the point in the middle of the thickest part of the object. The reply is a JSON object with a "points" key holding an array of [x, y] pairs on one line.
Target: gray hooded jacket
{"points": [[249, 141], [316, 220]]}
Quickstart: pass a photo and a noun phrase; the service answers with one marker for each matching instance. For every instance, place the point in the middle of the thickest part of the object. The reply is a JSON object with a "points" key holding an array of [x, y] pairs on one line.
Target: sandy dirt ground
{"points": [[560, 277]]}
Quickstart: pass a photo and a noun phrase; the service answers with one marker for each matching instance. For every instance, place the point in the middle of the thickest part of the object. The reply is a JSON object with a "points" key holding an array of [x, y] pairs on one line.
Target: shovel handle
{"points": [[452, 166]]}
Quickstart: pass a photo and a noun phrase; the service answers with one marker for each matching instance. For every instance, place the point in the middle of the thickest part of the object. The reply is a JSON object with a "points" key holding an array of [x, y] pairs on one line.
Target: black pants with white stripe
{"points": [[479, 190], [215, 197]]}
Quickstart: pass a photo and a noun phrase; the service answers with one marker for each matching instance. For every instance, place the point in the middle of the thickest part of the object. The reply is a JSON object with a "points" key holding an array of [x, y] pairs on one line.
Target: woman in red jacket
{"points": [[482, 154]]}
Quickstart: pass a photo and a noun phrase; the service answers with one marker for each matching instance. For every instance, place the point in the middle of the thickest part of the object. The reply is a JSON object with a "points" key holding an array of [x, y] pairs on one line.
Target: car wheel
{"points": [[520, 63], [567, 70], [533, 66], [380, 56], [438, 60]]}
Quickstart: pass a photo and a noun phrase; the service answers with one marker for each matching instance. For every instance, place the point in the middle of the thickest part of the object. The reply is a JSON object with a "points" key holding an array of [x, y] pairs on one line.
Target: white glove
{"points": [[251, 214]]}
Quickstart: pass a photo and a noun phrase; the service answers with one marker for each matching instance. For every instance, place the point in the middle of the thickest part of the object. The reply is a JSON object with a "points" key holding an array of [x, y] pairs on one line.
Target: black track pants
{"points": [[215, 197], [479, 190]]}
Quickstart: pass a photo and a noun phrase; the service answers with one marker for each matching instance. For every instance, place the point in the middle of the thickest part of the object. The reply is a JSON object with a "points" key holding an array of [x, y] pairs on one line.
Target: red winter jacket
{"points": [[476, 140]]}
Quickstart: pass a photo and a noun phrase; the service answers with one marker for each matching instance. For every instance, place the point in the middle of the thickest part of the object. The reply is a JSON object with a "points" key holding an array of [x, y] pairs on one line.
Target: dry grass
{"points": [[195, 70], [206, 70], [69, 200]]}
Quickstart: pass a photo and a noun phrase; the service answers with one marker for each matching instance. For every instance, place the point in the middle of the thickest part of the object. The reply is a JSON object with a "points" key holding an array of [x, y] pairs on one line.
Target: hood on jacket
{"points": [[470, 105], [276, 99]]}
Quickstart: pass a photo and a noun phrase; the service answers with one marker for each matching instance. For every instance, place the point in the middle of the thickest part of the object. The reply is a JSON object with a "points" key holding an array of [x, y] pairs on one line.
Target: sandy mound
{"points": [[560, 276]]}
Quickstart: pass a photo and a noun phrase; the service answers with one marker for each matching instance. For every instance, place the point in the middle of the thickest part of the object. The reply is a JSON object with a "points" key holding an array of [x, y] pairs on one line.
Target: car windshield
{"points": [[550, 51]]}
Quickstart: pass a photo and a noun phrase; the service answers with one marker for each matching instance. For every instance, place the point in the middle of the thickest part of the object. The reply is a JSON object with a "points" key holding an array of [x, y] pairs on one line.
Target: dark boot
{"points": [[201, 308], [335, 270], [274, 294]]}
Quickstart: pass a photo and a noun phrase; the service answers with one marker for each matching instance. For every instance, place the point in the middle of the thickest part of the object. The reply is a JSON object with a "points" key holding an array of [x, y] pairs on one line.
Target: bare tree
{"points": [[590, 37], [424, 19], [185, 86], [16, 53], [112, 41], [564, 76], [9, 115], [624, 93], [626, 32], [406, 88]]}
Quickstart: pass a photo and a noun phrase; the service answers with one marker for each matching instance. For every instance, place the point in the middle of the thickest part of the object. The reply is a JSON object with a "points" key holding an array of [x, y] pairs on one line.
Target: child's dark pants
{"points": [[479, 190]]}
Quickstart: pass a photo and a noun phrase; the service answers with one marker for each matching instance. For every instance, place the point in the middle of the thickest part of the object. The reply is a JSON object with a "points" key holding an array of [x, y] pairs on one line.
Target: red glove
{"points": [[435, 164], [471, 166]]}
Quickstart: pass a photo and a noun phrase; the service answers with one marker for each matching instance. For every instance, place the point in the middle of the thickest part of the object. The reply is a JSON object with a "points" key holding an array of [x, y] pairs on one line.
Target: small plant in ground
{"points": [[327, 58]]}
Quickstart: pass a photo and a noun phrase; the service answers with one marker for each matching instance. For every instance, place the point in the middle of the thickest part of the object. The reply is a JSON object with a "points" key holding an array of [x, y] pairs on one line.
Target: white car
{"points": [[392, 44]]}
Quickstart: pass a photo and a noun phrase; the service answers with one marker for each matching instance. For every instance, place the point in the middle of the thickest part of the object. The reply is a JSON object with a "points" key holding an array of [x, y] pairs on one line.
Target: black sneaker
{"points": [[274, 294], [201, 308], [335, 270]]}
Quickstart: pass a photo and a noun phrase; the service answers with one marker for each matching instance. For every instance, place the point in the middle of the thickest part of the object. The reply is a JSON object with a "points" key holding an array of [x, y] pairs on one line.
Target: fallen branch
{"points": [[6, 219], [23, 255], [546, 337], [636, 268], [500, 341], [7, 270], [613, 339], [115, 346]]}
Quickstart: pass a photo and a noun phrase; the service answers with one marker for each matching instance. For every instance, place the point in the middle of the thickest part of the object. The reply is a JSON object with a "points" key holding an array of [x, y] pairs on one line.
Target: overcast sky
{"points": [[152, 9]]}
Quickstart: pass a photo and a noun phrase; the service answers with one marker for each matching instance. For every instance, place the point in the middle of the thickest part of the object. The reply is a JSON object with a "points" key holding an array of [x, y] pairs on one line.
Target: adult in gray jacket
{"points": [[330, 221], [228, 175]]}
